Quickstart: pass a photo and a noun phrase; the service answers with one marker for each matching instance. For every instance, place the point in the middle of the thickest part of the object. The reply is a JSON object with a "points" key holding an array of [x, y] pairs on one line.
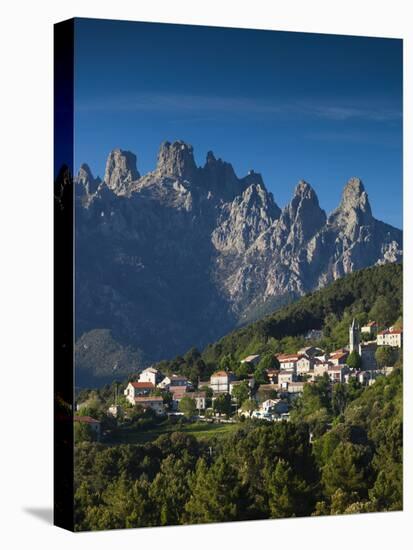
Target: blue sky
{"points": [[292, 106]]}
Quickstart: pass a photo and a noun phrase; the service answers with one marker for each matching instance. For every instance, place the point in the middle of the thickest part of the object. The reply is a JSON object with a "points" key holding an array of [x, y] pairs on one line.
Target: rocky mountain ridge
{"points": [[181, 255]]}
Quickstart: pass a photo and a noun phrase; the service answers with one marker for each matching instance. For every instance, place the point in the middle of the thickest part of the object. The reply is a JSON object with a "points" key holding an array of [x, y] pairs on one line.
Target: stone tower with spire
{"points": [[354, 336]]}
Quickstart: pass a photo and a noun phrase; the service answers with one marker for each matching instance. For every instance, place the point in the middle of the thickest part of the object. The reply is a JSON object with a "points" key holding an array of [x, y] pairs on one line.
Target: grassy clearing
{"points": [[200, 430]]}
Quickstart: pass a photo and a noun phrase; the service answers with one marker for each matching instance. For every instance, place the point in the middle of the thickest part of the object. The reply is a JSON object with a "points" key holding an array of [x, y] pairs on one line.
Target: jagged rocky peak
{"points": [[217, 168], [256, 195], [176, 160], [85, 174], [85, 178], [305, 202], [219, 177], [355, 197], [303, 216], [303, 189], [299, 221], [354, 208], [255, 192], [121, 171]]}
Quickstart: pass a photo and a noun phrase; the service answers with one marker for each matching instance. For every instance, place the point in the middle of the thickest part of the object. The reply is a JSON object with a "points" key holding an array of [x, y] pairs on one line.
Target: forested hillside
{"points": [[370, 294], [330, 460], [354, 295]]}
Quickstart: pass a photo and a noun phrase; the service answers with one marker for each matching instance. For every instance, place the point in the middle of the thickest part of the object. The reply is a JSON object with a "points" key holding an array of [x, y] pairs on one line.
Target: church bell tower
{"points": [[354, 336]]}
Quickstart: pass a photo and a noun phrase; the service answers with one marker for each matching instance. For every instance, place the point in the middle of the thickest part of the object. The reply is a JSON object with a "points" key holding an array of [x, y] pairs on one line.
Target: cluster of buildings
{"points": [[307, 364], [310, 362], [288, 381], [284, 383], [141, 392]]}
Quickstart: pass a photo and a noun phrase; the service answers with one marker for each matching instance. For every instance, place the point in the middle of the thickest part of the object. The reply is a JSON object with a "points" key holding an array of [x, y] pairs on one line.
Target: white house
{"points": [[390, 337], [135, 389], [304, 364], [338, 357], [288, 361], [220, 380], [151, 375], [295, 387], [285, 377], [173, 380], [320, 367]]}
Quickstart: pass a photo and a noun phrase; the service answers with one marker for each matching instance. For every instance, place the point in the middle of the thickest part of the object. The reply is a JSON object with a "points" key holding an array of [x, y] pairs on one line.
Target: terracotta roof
{"points": [[220, 373], [389, 331], [338, 354], [178, 391], [143, 385], [288, 357], [340, 350], [86, 420], [148, 399]]}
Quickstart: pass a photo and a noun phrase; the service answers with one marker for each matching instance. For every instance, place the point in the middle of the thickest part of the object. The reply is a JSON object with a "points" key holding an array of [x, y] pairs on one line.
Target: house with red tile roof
{"points": [[135, 389], [338, 357], [390, 337], [288, 361]]}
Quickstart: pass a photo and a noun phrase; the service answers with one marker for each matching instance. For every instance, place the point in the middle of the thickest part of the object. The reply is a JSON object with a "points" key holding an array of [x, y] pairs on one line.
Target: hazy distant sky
{"points": [[289, 105]]}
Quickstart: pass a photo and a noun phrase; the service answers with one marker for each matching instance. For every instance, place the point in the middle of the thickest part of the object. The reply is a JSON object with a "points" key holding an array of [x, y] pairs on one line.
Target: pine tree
{"points": [[216, 493]]}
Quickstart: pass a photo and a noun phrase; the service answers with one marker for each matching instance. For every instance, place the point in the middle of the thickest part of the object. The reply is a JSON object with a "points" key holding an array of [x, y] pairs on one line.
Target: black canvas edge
{"points": [[63, 360]]}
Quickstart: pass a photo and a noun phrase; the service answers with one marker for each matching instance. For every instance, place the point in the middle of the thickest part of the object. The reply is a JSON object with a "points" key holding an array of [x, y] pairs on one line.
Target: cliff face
{"points": [[181, 255]]}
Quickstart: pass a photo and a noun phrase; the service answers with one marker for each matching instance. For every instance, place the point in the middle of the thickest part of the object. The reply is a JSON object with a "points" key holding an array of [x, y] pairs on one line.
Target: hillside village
{"points": [[370, 353]]}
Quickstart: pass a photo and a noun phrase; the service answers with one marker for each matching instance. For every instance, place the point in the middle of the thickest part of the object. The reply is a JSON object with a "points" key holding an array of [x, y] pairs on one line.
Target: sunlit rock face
{"points": [[181, 255]]}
